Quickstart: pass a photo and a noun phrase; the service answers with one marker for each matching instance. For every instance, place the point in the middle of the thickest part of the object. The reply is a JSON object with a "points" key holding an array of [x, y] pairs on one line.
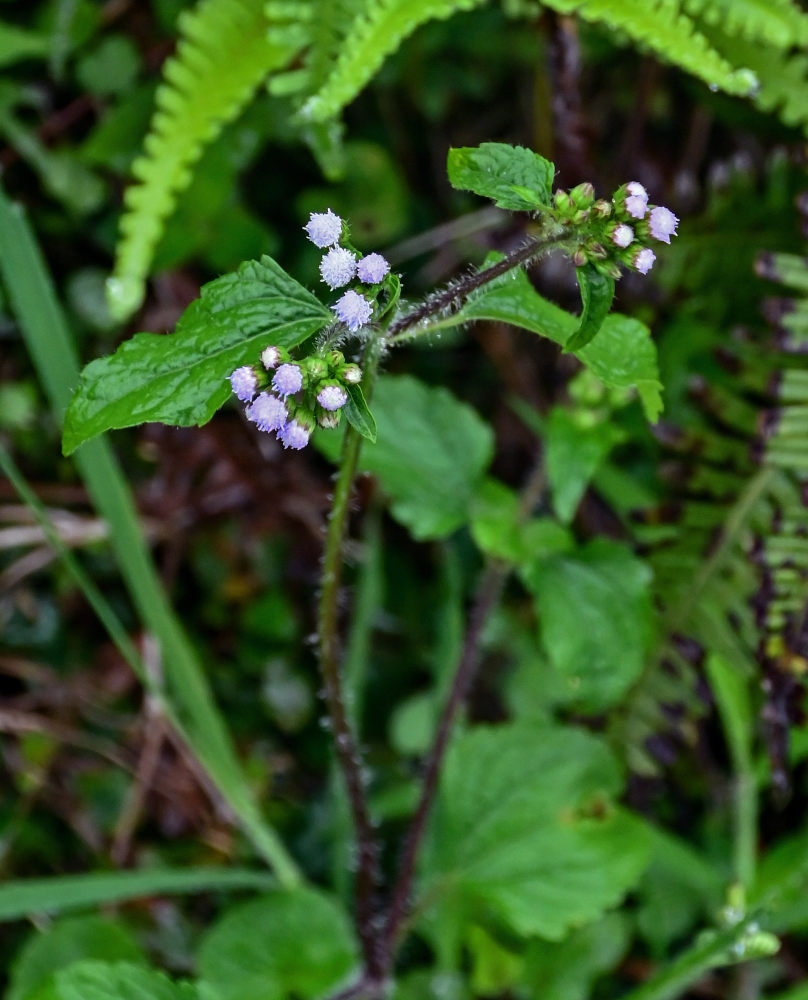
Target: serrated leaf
{"points": [[526, 832], [181, 379], [622, 355], [357, 413], [574, 454], [64, 943], [596, 618], [287, 944], [513, 177], [118, 981], [597, 295]]}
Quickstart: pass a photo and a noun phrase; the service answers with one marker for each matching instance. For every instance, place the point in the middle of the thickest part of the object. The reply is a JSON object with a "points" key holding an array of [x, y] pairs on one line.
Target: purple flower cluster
{"points": [[339, 267], [289, 398]]}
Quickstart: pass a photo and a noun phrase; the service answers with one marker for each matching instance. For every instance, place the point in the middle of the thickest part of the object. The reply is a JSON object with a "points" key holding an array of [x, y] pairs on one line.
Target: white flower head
{"points": [[332, 396], [643, 260], [353, 309], [288, 380], [324, 228], [372, 269], [268, 412], [244, 383], [270, 357], [338, 267], [294, 435], [635, 190], [622, 235], [636, 207], [662, 224]]}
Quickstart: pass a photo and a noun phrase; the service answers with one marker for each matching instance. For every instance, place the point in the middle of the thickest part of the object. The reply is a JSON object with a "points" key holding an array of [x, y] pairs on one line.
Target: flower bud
{"points": [[336, 359], [329, 419], [273, 356], [332, 396], [582, 195], [351, 374], [315, 367]]}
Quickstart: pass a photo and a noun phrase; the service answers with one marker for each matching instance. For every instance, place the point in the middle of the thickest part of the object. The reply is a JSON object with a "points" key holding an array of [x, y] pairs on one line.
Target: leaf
{"points": [[512, 176], [288, 944], [574, 454], [595, 611], [71, 892], [64, 943], [357, 413], [182, 378], [118, 981], [17, 44], [499, 531], [526, 832], [430, 455], [622, 355], [597, 295]]}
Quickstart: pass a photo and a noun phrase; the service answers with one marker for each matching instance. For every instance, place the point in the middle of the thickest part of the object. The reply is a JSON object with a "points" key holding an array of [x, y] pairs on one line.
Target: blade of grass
{"points": [[20, 898], [45, 331]]}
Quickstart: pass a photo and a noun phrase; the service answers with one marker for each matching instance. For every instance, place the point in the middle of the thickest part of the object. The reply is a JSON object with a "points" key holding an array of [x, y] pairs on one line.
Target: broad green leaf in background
{"points": [[526, 832], [513, 177], [296, 943], [65, 943], [574, 454], [181, 379], [430, 455], [118, 981], [595, 611], [597, 294], [500, 530], [622, 355], [20, 43]]}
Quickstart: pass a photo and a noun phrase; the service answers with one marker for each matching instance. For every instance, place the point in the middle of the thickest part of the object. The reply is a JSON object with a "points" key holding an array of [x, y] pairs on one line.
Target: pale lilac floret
{"points": [[372, 269], [636, 207], [635, 190], [337, 267], [332, 397], [244, 383], [268, 412], [622, 235], [324, 228], [270, 357], [353, 309], [294, 435], [662, 224], [287, 380], [644, 260]]}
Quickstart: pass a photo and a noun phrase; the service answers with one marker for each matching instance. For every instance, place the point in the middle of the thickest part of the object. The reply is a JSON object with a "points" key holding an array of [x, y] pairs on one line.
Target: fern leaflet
{"points": [[225, 52], [779, 23]]}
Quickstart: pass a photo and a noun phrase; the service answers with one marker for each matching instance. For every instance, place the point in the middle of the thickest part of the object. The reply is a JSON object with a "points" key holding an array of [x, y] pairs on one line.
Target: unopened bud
{"points": [[582, 195], [352, 374]]}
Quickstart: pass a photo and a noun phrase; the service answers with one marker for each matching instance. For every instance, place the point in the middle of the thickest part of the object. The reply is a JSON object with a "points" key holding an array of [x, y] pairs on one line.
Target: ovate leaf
{"points": [[512, 176], [64, 943], [622, 355], [596, 618], [181, 378], [597, 294], [574, 454], [118, 981], [357, 413], [526, 832], [287, 944]]}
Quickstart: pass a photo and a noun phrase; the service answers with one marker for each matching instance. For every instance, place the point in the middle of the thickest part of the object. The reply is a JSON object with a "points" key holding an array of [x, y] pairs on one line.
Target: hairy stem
{"points": [[345, 743], [453, 297]]}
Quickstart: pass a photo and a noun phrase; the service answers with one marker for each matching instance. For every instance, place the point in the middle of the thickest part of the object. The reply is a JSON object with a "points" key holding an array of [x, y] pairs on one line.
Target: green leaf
{"points": [[597, 295], [64, 943], [118, 981], [499, 529], [595, 611], [357, 413], [181, 379], [72, 892], [17, 44], [526, 832], [512, 176], [622, 355], [430, 455], [295, 943], [574, 454]]}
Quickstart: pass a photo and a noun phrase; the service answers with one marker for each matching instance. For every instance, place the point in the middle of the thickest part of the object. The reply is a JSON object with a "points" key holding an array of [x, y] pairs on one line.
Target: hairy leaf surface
{"points": [[511, 176]]}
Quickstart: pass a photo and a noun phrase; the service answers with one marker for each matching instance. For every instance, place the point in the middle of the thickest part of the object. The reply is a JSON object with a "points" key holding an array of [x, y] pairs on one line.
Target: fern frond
{"points": [[660, 26], [226, 50], [779, 23], [373, 35]]}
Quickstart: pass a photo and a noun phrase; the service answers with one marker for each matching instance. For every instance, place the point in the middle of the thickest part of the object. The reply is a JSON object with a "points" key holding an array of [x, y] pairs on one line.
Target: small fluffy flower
{"points": [[268, 412], [353, 309], [244, 383], [294, 435], [270, 357], [352, 374], [622, 235], [332, 397], [324, 228], [288, 379], [372, 269], [644, 260], [662, 224], [338, 267], [635, 190], [636, 207]]}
